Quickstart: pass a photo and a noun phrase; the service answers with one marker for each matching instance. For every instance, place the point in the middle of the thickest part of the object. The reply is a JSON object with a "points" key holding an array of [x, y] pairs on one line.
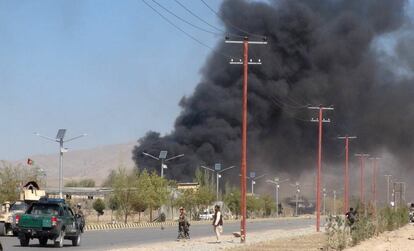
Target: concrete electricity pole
{"points": [[243, 167], [361, 157], [334, 202], [388, 176], [374, 181], [320, 120], [346, 172], [324, 201]]}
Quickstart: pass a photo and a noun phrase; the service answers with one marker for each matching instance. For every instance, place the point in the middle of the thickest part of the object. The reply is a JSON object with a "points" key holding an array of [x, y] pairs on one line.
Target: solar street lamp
{"points": [[163, 158], [60, 138]]}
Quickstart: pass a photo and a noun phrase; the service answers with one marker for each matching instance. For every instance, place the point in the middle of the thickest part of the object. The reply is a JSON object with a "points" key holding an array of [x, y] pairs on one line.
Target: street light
{"points": [[60, 139], [253, 178], [277, 183], [218, 171], [163, 158]]}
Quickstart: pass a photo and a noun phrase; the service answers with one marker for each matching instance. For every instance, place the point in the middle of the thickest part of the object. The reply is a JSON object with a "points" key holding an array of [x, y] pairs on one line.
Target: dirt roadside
{"points": [[398, 240]]}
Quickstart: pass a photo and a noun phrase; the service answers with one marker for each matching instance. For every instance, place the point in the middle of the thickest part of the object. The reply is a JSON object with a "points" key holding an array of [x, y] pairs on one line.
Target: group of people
{"points": [[184, 224]]}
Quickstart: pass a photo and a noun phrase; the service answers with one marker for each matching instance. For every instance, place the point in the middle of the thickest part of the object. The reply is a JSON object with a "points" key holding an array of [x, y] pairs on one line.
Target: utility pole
{"points": [[245, 64], [361, 181], [297, 198], [324, 201], [346, 172], [320, 120], [388, 176], [334, 202], [374, 181]]}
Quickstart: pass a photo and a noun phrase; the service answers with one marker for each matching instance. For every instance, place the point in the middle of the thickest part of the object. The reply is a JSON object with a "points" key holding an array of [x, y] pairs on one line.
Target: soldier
{"points": [[80, 218], [351, 216], [183, 225]]}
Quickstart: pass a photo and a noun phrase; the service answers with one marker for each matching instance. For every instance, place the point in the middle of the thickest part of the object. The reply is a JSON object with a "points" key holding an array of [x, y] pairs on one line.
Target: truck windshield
{"points": [[18, 207], [37, 209]]}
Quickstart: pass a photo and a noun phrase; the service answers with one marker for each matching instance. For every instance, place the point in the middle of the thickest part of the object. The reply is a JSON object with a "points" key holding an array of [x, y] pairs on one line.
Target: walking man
{"points": [[218, 222]]}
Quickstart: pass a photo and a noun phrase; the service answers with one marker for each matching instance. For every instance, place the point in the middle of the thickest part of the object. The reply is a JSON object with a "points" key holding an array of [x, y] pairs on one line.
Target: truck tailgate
{"points": [[35, 221]]}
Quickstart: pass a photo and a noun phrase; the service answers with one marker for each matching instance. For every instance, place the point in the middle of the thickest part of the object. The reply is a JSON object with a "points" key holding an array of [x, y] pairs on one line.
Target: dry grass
{"points": [[311, 242]]}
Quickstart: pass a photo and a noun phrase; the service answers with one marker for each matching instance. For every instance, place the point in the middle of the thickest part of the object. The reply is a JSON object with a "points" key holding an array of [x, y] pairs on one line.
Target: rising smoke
{"points": [[319, 52]]}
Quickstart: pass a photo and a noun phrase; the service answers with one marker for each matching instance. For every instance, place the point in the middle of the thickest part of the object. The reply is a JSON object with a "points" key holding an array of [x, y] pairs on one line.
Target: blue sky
{"points": [[111, 69]]}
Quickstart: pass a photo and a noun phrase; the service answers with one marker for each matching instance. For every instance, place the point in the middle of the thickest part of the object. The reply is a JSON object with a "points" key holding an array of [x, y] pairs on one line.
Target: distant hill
{"points": [[93, 163]]}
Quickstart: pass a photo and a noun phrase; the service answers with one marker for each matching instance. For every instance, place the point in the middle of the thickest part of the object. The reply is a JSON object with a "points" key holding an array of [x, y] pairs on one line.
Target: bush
{"points": [[341, 235]]}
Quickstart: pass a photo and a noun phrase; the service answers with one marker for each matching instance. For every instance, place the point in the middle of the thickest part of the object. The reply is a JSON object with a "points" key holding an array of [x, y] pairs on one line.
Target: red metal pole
{"points": [[318, 176], [362, 179], [244, 144], [346, 185]]}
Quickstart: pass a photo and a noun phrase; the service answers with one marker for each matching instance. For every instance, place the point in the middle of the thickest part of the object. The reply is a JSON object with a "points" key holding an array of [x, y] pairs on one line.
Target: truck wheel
{"points": [[43, 241], [76, 240], [59, 239], [24, 240], [3, 230]]}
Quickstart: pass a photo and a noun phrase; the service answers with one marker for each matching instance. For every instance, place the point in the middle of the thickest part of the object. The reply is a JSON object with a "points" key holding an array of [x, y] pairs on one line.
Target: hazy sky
{"points": [[111, 69]]}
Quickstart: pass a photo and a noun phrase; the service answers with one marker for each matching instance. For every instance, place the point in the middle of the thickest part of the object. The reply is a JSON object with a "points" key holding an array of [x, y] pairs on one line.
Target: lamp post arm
{"points": [[77, 137], [175, 157], [45, 137], [226, 169], [151, 156], [208, 168]]}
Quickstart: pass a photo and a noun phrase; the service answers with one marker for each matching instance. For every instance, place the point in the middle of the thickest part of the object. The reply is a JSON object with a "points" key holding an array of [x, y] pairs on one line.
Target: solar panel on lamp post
{"points": [[163, 158], [60, 136]]}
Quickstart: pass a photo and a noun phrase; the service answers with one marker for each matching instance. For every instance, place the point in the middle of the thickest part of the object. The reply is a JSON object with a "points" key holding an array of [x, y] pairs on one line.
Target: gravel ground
{"points": [[228, 241]]}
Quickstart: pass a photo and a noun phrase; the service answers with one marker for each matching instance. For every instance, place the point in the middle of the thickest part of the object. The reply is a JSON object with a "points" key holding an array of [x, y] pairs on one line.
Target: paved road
{"points": [[107, 239]]}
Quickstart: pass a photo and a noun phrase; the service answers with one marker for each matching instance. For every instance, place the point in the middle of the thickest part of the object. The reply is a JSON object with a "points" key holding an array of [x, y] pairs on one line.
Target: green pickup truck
{"points": [[48, 219]]}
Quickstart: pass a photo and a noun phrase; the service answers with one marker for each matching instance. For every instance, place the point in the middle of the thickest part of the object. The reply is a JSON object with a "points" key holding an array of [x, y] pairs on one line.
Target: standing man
{"points": [[80, 217], [218, 222], [183, 225]]}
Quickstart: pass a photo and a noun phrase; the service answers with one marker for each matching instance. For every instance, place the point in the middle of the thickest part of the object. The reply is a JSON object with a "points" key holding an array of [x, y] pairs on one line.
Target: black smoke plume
{"points": [[319, 52]]}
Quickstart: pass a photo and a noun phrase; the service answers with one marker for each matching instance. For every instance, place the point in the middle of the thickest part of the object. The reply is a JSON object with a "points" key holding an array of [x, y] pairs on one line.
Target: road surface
{"points": [[110, 239]]}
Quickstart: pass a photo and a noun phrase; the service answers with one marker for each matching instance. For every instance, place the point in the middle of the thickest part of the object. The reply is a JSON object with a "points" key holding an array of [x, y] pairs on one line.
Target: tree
{"points": [[124, 187], [232, 200], [187, 200], [99, 206], [153, 190], [204, 197], [268, 205], [113, 204]]}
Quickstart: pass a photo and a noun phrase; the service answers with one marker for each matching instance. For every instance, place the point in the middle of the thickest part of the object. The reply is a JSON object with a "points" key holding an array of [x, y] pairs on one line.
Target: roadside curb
{"points": [[94, 227]]}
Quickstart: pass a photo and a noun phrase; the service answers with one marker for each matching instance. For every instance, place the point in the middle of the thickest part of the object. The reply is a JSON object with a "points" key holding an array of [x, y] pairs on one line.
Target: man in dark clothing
{"points": [[351, 216], [183, 225]]}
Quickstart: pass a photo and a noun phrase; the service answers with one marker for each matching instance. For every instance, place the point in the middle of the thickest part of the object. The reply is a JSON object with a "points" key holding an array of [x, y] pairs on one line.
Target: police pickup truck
{"points": [[48, 219]]}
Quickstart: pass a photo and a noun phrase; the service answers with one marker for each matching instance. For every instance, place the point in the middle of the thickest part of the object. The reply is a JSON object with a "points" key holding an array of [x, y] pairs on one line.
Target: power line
{"points": [[184, 32], [228, 22], [185, 21], [204, 21]]}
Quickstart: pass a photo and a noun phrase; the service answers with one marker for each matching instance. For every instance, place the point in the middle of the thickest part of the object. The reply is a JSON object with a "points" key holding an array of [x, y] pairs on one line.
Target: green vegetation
{"points": [[341, 235], [99, 206], [13, 177]]}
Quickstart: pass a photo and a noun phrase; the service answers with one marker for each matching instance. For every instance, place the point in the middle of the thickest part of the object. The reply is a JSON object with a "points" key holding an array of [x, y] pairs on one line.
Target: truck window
{"points": [[38, 209]]}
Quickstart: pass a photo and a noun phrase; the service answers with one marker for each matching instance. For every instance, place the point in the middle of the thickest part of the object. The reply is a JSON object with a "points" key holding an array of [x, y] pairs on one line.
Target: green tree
{"points": [[188, 200], [124, 188], [204, 197], [80, 183], [268, 204], [113, 204], [232, 200], [153, 190], [110, 179], [99, 206]]}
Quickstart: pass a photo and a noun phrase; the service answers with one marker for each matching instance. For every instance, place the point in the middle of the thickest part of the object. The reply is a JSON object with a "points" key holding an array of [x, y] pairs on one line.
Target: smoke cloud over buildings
{"points": [[330, 52]]}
